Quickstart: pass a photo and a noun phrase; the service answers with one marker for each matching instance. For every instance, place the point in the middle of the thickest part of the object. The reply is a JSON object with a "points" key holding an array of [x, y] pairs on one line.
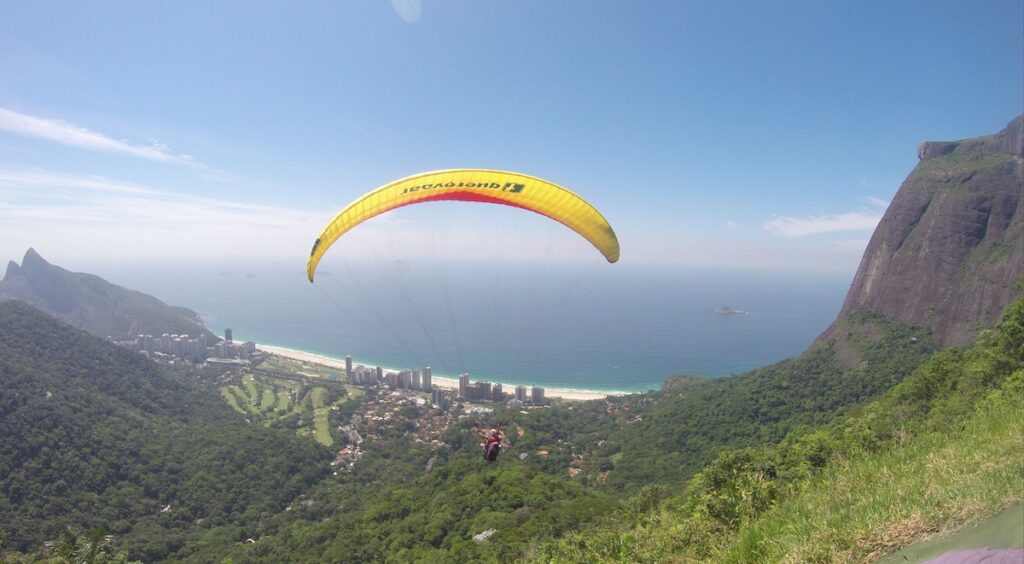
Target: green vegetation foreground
{"points": [[940, 451], [409, 501]]}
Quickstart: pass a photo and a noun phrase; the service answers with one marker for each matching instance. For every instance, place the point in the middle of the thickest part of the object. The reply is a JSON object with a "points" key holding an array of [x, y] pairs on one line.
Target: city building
{"points": [[181, 346], [521, 393], [482, 391], [496, 394], [227, 335], [363, 376], [440, 398], [464, 385], [405, 379], [348, 366], [427, 384], [538, 395]]}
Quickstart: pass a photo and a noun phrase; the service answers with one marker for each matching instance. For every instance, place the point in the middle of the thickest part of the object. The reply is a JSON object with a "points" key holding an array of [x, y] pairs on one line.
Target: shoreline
{"points": [[572, 394]]}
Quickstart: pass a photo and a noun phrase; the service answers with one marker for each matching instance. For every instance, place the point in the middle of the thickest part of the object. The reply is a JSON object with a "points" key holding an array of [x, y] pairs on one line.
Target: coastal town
{"points": [[339, 403]]}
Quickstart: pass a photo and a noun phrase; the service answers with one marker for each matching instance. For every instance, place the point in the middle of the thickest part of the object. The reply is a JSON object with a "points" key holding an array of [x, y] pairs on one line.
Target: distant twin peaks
{"points": [[93, 304]]}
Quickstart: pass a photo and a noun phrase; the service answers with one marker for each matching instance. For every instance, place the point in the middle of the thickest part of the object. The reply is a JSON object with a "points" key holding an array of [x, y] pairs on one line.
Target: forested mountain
{"points": [[94, 435], [91, 303], [666, 436]]}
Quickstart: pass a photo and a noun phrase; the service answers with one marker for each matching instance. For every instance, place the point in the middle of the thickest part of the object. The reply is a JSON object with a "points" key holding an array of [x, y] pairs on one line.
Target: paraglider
{"points": [[492, 443], [473, 185]]}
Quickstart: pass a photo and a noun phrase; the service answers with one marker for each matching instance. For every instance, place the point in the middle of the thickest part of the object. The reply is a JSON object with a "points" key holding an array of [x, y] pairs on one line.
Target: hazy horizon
{"points": [[585, 325]]}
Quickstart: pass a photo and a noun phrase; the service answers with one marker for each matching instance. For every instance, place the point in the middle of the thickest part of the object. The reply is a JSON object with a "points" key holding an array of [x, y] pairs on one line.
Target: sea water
{"points": [[588, 326]]}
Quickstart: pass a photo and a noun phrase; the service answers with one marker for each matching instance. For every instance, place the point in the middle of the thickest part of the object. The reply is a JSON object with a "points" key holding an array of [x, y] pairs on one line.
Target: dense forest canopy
{"points": [[98, 436]]}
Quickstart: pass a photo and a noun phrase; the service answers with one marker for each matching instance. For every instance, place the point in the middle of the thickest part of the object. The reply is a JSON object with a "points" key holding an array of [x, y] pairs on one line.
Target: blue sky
{"points": [[736, 134]]}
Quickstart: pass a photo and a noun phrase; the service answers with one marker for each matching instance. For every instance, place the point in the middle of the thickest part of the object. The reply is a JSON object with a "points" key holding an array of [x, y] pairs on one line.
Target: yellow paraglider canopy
{"points": [[474, 185]]}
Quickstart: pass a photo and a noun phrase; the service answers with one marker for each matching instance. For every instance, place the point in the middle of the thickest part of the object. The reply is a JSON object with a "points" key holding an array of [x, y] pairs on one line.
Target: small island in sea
{"points": [[726, 310]]}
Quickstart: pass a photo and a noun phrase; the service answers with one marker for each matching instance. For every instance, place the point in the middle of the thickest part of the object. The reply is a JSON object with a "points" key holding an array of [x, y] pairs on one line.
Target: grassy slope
{"points": [[939, 451], [938, 482]]}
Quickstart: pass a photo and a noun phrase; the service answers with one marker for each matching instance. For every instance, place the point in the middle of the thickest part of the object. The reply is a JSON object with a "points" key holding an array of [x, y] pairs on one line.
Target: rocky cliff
{"points": [[949, 252], [91, 303]]}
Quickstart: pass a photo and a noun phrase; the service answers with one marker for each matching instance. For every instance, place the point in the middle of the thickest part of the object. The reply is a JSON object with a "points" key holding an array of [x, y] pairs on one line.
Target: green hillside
{"points": [[663, 437], [939, 451], [97, 436]]}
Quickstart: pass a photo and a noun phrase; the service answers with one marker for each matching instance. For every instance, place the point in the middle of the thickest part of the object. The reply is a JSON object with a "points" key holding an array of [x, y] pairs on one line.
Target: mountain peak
{"points": [[1009, 141], [91, 303], [12, 270], [950, 247], [33, 260]]}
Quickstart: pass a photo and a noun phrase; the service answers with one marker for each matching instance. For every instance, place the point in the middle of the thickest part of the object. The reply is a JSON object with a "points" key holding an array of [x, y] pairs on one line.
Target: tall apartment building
{"points": [[482, 391], [440, 398]]}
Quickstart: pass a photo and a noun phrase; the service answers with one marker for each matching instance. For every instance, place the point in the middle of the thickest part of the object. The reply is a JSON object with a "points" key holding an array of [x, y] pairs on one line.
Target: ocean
{"points": [[584, 325]]}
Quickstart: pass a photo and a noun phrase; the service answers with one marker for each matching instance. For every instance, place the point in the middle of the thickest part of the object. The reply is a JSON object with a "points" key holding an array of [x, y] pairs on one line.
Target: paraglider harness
{"points": [[492, 444]]}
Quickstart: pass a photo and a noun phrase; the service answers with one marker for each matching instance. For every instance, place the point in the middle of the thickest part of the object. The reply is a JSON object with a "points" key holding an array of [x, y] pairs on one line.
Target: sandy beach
{"points": [[440, 381]]}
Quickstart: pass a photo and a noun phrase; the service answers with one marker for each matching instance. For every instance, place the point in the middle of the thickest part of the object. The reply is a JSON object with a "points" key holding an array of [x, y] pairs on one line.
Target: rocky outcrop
{"points": [[91, 303], [949, 252]]}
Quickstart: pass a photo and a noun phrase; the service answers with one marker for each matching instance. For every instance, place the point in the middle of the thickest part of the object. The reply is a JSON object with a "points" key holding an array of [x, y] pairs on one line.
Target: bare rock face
{"points": [[949, 251]]}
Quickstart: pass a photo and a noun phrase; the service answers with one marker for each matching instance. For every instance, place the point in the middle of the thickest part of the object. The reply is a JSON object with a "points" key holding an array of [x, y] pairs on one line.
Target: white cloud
{"points": [[79, 214], [862, 220], [127, 202], [877, 202], [408, 10], [815, 225], [73, 215], [72, 135]]}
